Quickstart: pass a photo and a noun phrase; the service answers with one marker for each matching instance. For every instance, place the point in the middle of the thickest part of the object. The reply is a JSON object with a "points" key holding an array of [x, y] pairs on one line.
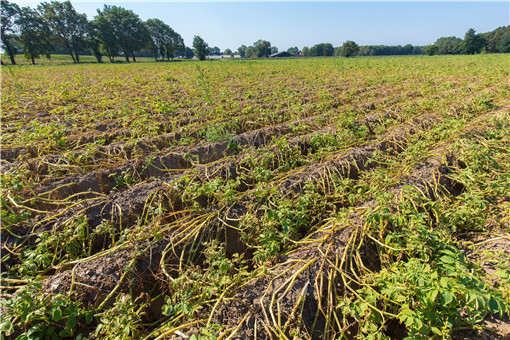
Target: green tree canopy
{"points": [[503, 45], [431, 50], [449, 45], [242, 51], [158, 31], [94, 43], [9, 16], [372, 50], [250, 52], [349, 49], [35, 34], [321, 50], [293, 50], [473, 43], [262, 48], [164, 41], [200, 46], [121, 28], [107, 41], [214, 50], [188, 53], [494, 37], [175, 45], [67, 25]]}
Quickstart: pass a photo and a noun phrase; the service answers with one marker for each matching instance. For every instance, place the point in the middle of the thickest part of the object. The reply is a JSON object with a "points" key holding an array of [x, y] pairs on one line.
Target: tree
{"points": [[408, 49], [228, 52], [328, 50], [69, 26], [321, 50], [262, 48], [214, 50], [94, 43], [494, 37], [306, 51], [449, 45], [9, 16], [108, 42], [200, 46], [158, 31], [188, 53], [174, 44], [35, 34], [164, 40], [473, 43], [372, 50], [242, 51], [293, 50], [503, 45], [121, 28], [250, 52], [431, 50], [349, 49], [274, 49]]}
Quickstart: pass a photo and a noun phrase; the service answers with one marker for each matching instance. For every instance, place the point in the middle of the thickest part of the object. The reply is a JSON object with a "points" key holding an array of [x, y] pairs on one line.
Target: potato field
{"points": [[323, 198]]}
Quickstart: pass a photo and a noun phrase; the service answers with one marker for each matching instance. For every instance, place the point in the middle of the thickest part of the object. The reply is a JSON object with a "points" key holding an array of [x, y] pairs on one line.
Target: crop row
{"points": [[256, 199]]}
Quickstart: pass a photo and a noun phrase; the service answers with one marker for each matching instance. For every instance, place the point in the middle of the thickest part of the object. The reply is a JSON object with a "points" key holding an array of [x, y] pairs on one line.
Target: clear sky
{"points": [[298, 23]]}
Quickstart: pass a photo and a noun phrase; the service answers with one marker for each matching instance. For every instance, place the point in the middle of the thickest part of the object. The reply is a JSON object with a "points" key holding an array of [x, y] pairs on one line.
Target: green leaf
{"points": [[447, 259], [480, 302], [502, 273], [88, 318], [436, 330], [493, 305], [6, 326], [400, 298], [447, 297], [418, 323], [56, 315], [65, 333], [71, 322]]}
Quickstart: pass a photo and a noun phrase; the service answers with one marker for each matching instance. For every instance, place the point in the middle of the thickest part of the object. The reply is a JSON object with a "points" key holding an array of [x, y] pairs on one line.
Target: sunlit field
{"points": [[324, 198]]}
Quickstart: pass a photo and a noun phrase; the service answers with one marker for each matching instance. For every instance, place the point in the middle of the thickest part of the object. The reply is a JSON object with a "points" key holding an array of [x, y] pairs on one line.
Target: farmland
{"points": [[300, 198]]}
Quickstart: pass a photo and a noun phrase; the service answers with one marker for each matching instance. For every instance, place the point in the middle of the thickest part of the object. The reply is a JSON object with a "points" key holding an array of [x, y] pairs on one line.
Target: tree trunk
{"points": [[70, 51], [133, 55], [9, 51], [155, 51], [77, 54], [33, 61], [126, 55]]}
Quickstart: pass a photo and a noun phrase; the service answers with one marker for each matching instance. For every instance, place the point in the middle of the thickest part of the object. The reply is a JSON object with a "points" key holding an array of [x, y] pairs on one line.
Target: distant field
{"points": [[59, 59], [300, 198]]}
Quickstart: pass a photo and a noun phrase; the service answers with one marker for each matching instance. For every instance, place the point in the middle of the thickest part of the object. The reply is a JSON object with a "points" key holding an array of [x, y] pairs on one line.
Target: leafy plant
{"points": [[32, 314]]}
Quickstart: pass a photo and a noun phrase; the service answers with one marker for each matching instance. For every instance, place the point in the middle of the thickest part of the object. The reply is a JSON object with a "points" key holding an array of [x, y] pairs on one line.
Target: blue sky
{"points": [[289, 23]]}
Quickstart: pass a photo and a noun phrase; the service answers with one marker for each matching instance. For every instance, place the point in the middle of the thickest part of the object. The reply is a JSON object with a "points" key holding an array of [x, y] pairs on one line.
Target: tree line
{"points": [[56, 27], [497, 41]]}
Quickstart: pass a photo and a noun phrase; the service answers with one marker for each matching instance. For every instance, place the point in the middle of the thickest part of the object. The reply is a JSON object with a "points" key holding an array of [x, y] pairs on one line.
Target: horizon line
{"points": [[268, 1]]}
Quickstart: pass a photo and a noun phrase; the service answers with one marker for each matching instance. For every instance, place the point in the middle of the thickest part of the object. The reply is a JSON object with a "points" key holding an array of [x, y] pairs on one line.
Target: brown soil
{"points": [[295, 291], [96, 279], [496, 329], [352, 162]]}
